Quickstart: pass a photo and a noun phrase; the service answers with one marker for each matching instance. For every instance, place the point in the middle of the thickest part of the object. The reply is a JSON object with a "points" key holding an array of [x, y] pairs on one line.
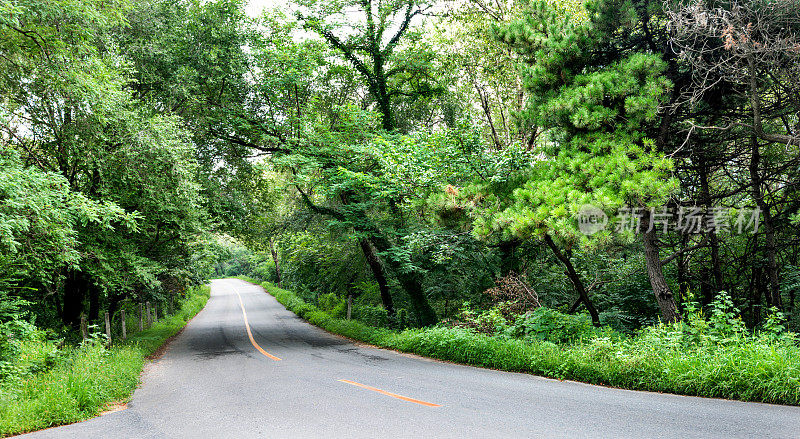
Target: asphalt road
{"points": [[213, 382]]}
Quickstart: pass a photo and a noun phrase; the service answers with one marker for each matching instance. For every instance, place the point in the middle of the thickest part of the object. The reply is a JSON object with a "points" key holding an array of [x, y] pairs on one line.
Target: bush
{"points": [[265, 271], [371, 315], [550, 325], [333, 305], [76, 388], [704, 356], [492, 321], [24, 349]]}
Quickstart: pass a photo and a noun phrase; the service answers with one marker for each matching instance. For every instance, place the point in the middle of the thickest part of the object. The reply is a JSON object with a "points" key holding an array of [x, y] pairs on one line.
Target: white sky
{"points": [[254, 7]]}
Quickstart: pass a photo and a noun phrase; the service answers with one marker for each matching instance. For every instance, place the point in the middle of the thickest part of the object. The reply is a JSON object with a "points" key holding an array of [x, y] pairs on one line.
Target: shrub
{"points": [[551, 325], [492, 321], [705, 355], [332, 304], [44, 385], [371, 315], [265, 271]]}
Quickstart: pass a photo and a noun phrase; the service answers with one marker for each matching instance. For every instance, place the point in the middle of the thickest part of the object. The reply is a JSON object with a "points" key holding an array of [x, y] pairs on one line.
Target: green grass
{"points": [[76, 383], [151, 339], [746, 368]]}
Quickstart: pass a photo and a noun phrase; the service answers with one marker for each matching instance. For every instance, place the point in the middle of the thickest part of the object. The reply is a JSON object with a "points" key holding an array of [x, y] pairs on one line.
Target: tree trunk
{"points": [[123, 324], [381, 92], [508, 261], [275, 261], [655, 272], [770, 247], [84, 328], [107, 321], [113, 303], [370, 247], [575, 279], [755, 300], [412, 284], [386, 111], [379, 273], [575, 305], [683, 268]]}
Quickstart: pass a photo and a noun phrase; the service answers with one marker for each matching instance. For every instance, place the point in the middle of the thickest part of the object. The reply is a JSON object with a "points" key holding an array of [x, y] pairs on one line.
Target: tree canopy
{"points": [[405, 155]]}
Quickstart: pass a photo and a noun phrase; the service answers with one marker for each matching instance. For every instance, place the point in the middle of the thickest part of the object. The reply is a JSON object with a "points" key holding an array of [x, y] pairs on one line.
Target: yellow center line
{"points": [[250, 334], [393, 395]]}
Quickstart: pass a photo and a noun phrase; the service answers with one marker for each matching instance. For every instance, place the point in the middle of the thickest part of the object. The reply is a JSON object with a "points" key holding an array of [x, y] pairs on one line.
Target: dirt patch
{"points": [[113, 407]]}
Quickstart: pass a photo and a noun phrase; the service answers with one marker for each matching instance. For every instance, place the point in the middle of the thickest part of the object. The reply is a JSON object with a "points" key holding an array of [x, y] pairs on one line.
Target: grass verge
{"points": [[76, 383], [746, 368]]}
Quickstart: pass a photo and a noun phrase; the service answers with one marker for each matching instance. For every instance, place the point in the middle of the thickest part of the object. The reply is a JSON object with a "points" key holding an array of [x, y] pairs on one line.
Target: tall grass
{"points": [[662, 358], [75, 383]]}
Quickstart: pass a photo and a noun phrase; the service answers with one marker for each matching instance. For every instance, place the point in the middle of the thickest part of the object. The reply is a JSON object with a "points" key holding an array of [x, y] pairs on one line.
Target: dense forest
{"points": [[420, 156], [614, 163]]}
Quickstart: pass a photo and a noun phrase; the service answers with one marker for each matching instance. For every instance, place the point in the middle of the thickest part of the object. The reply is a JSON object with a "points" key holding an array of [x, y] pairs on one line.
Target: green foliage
{"points": [[774, 326], [40, 219], [147, 145], [491, 322], [542, 323], [152, 338], [375, 316], [22, 351], [734, 366], [98, 195], [11, 308], [43, 384], [591, 112], [550, 325], [75, 388], [323, 263], [332, 304], [379, 43]]}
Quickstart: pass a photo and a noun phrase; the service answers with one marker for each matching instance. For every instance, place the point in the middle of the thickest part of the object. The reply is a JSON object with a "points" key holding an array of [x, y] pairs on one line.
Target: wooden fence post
{"points": [[108, 327], [122, 316], [83, 327], [141, 317], [149, 314]]}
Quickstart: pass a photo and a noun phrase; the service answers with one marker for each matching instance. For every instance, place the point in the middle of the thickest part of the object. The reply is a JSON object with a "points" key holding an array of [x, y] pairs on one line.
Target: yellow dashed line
{"points": [[393, 395]]}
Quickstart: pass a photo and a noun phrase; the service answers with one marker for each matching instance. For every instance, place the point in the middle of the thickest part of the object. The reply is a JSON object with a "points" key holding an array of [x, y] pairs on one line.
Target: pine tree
{"points": [[593, 104]]}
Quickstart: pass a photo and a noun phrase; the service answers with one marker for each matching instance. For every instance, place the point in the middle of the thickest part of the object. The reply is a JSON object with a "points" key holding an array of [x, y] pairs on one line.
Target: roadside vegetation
{"points": [[703, 355], [456, 170], [45, 381]]}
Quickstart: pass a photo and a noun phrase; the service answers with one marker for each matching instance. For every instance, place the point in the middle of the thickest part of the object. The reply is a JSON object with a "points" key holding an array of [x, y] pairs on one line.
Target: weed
{"points": [[704, 356], [45, 386]]}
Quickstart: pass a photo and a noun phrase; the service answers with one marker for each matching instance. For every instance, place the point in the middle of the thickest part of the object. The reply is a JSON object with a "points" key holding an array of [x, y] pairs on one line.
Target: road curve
{"points": [[215, 382]]}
